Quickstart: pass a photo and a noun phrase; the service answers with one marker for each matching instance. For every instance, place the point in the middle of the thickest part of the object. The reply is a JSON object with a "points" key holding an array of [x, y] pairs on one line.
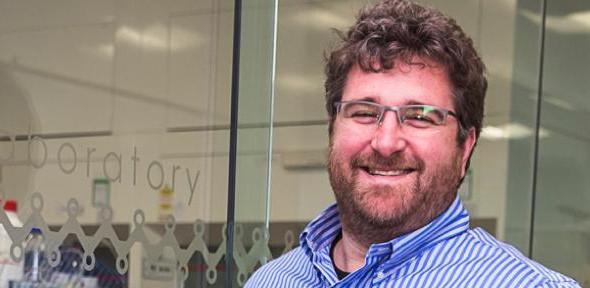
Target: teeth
{"points": [[388, 173]]}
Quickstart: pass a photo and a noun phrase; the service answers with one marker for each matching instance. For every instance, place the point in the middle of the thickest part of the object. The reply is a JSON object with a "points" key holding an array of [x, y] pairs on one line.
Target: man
{"points": [[405, 95]]}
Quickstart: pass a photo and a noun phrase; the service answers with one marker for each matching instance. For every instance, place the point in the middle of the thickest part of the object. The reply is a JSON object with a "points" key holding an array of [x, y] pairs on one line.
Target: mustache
{"points": [[397, 161]]}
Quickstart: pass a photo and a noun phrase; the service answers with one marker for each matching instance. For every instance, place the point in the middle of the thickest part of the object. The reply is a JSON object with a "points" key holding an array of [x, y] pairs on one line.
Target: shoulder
{"points": [[509, 265], [293, 269]]}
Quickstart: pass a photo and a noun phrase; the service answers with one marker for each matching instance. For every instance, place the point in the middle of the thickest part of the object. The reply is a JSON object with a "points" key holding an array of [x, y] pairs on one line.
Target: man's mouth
{"points": [[387, 172], [386, 169], [383, 172]]}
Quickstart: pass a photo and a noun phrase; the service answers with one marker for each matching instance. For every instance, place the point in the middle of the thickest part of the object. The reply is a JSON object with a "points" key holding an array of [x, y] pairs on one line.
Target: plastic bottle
{"points": [[34, 251], [9, 269]]}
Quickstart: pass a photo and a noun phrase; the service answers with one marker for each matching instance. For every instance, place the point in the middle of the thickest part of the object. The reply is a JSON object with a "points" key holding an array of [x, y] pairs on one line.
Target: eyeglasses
{"points": [[413, 116]]}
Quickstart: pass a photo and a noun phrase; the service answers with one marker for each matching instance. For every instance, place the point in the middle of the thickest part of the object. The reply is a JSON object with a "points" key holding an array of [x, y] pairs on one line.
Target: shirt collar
{"points": [[322, 230]]}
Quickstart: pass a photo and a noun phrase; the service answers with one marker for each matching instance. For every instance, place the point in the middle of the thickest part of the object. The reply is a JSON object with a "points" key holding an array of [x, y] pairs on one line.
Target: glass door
{"points": [[252, 115], [562, 215]]}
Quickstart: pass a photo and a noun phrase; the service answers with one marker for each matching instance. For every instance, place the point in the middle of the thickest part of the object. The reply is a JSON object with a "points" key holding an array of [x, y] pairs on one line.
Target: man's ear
{"points": [[468, 146]]}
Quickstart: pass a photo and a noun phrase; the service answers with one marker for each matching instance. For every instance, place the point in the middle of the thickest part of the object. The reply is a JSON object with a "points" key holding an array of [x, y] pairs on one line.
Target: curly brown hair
{"points": [[395, 30]]}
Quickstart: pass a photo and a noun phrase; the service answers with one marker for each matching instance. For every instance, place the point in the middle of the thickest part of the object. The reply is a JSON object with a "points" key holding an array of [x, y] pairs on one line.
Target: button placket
{"points": [[380, 275]]}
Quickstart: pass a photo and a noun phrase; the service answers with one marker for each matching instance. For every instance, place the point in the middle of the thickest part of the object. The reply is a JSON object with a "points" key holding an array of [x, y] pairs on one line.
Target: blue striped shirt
{"points": [[444, 253]]}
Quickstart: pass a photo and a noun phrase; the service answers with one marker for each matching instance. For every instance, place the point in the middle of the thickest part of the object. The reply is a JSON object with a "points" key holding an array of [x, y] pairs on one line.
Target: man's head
{"points": [[401, 30], [398, 156]]}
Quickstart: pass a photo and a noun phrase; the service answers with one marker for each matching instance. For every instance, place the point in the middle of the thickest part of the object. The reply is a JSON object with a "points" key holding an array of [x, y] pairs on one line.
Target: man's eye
{"points": [[419, 120], [364, 114], [421, 117]]}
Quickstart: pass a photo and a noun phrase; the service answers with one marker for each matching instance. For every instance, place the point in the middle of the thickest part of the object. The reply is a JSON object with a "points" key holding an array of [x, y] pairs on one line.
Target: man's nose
{"points": [[389, 137]]}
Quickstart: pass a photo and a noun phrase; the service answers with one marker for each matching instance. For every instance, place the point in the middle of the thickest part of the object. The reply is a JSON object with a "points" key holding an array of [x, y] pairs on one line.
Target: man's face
{"points": [[392, 175]]}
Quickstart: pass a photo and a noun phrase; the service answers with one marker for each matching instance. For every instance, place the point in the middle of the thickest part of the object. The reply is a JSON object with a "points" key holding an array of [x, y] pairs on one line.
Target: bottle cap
{"points": [[10, 205]]}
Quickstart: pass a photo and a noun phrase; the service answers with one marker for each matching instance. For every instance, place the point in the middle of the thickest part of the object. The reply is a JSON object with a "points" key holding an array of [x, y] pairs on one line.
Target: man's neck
{"points": [[349, 255], [351, 250]]}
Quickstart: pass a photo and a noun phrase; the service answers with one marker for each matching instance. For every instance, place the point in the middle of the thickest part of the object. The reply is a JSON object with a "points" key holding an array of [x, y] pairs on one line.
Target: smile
{"points": [[384, 172]]}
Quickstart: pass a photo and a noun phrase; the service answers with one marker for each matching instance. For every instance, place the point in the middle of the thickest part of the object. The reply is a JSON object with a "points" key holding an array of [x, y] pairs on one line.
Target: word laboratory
{"points": [[155, 172]]}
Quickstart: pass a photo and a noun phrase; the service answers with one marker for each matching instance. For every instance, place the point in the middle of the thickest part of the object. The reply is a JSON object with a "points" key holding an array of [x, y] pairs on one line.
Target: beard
{"points": [[377, 212]]}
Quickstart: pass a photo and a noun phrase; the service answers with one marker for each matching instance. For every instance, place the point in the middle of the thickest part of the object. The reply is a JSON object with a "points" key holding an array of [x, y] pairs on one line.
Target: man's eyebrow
{"points": [[376, 99], [414, 102], [373, 99]]}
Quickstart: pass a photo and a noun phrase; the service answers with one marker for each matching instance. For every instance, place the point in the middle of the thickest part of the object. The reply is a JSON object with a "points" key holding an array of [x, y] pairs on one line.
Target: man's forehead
{"points": [[416, 82]]}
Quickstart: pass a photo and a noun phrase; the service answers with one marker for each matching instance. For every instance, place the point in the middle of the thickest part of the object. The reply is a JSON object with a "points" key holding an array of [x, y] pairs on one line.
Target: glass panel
{"points": [[114, 119], [522, 125], [253, 164], [562, 215]]}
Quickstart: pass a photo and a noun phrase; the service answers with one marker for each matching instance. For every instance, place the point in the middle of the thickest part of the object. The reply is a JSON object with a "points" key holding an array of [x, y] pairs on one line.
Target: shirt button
{"points": [[380, 275]]}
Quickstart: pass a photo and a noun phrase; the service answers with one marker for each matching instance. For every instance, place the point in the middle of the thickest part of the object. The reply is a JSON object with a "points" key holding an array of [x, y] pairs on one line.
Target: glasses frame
{"points": [[383, 108]]}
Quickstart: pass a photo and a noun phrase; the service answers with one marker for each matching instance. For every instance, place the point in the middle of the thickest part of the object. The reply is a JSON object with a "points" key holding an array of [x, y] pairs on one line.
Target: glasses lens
{"points": [[364, 113], [422, 116]]}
